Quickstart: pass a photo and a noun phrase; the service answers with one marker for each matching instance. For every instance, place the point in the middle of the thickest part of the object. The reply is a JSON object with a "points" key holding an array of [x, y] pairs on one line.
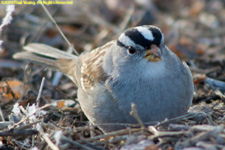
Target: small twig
{"points": [[58, 28], [186, 116], [152, 129], [8, 17], [41, 28], [40, 92], [14, 133], [222, 119], [215, 84], [162, 134], [117, 139], [23, 145], [202, 71], [24, 111], [115, 133], [56, 78], [48, 141], [135, 114], [5, 124], [179, 127], [199, 137], [205, 127], [220, 94], [206, 145], [2, 116], [71, 48], [75, 143], [91, 127], [118, 124], [27, 126]]}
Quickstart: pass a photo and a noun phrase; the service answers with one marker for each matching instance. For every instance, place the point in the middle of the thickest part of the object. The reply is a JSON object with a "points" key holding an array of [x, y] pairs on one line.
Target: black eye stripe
{"points": [[121, 44]]}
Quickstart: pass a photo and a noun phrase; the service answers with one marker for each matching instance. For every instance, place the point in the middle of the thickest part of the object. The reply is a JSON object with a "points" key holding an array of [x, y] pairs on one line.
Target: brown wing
{"points": [[91, 67]]}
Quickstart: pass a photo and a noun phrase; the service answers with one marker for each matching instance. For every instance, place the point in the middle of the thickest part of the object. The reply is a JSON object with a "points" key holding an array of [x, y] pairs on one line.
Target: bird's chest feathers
{"points": [[142, 72], [135, 83]]}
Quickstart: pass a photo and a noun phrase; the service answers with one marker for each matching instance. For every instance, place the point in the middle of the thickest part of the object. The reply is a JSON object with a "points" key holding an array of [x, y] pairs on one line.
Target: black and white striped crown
{"points": [[144, 36]]}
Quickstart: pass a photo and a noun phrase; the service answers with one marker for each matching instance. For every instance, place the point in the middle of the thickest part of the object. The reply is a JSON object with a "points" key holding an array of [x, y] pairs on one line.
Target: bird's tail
{"points": [[48, 56]]}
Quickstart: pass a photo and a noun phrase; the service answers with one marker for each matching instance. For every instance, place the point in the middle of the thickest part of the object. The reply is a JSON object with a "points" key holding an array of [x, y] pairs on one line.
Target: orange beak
{"points": [[153, 54]]}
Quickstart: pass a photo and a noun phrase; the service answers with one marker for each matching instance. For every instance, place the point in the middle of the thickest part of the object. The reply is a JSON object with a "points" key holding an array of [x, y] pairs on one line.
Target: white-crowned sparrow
{"points": [[137, 67]]}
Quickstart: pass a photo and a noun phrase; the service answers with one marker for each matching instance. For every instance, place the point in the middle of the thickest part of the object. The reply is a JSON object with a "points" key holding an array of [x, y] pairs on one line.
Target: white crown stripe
{"points": [[147, 34], [125, 40]]}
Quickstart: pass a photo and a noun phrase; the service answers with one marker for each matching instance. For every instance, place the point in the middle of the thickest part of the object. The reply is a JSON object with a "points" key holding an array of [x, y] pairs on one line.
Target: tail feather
{"points": [[48, 51], [46, 55], [36, 58], [53, 58]]}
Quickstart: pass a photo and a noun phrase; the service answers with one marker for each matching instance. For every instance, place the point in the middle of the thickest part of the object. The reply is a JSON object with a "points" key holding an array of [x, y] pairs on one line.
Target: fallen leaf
{"points": [[10, 90]]}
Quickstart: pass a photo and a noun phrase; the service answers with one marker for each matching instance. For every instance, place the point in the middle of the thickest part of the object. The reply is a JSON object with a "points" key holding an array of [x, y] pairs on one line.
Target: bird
{"points": [[137, 67]]}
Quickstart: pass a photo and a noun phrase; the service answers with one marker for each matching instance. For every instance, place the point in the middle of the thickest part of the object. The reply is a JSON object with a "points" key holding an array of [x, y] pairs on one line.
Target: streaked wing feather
{"points": [[92, 67]]}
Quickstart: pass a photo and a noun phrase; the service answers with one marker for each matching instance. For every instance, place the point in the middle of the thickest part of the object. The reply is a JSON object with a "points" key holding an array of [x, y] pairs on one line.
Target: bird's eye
{"points": [[131, 50]]}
